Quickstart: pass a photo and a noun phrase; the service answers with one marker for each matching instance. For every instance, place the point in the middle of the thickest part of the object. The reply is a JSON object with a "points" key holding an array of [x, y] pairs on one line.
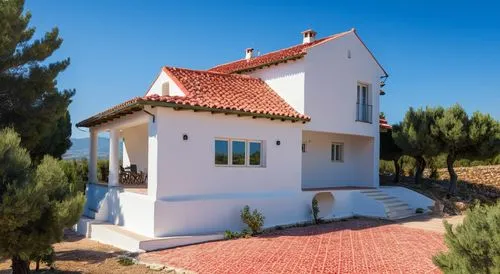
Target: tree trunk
{"points": [[450, 159], [37, 265], [420, 169], [397, 170], [20, 266]]}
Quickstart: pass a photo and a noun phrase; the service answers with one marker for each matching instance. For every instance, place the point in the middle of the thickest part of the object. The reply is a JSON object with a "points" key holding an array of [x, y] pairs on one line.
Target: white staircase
{"points": [[394, 207]]}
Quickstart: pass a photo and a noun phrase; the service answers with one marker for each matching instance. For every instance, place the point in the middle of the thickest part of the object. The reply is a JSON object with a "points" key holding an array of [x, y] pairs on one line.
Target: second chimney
{"points": [[249, 53], [308, 36]]}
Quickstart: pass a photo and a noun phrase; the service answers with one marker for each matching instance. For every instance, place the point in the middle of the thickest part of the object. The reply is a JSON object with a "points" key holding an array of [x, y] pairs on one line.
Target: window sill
{"points": [[366, 122], [240, 166]]}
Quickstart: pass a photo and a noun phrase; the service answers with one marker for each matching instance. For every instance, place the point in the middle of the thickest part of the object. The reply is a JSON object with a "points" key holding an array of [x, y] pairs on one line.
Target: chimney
{"points": [[249, 53], [308, 36]]}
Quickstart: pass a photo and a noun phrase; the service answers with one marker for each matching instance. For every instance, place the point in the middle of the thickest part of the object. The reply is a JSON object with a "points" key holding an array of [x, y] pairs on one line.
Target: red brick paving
{"points": [[354, 246]]}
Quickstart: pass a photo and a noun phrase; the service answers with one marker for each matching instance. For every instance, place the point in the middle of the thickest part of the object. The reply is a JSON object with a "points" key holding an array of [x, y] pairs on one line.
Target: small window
{"points": [[221, 152], [255, 149], [239, 153], [304, 147], [337, 152], [165, 89]]}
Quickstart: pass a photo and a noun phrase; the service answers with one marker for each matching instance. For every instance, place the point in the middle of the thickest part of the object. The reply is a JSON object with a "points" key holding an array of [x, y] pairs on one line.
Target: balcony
{"points": [[364, 113]]}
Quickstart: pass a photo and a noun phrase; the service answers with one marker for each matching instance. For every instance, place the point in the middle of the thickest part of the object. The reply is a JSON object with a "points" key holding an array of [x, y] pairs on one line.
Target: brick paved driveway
{"points": [[354, 246]]}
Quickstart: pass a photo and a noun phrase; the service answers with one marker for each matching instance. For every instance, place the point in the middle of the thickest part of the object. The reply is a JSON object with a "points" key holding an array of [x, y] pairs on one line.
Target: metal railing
{"points": [[364, 113]]}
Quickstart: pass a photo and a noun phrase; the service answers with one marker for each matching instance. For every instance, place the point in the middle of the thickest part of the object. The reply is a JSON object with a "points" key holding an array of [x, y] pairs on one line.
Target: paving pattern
{"points": [[354, 246]]}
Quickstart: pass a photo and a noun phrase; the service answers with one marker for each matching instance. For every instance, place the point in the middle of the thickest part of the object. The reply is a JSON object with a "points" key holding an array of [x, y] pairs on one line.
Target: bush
{"points": [[77, 172], [103, 170], [254, 220], [386, 167], [474, 246], [315, 211]]}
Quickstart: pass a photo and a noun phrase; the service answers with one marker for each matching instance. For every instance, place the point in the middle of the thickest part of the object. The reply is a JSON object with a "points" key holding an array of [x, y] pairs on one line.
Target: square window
{"points": [[221, 152], [255, 149], [337, 152], [239, 151]]}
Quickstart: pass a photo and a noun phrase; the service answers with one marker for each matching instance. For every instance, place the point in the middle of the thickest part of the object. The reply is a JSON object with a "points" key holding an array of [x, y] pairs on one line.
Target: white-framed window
{"points": [[337, 152], [238, 152], [363, 106]]}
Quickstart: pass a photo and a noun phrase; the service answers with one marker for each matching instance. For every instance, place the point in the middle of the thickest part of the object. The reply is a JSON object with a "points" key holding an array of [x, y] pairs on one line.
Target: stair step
{"points": [[397, 214], [376, 195], [390, 209], [371, 191], [386, 198]]}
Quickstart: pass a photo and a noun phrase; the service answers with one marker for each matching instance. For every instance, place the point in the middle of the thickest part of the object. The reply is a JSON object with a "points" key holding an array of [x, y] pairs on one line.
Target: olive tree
{"points": [[460, 137], [413, 136]]}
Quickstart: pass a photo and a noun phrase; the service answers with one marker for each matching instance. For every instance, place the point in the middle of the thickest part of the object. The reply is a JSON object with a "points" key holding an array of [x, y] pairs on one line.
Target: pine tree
{"points": [[29, 99], [474, 246], [413, 136], [35, 204], [461, 137], [389, 151]]}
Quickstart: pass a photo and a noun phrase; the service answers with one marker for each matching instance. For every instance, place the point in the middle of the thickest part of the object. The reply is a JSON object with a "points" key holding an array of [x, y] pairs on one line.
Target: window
{"points": [[229, 152], [304, 148], [239, 152], [221, 152], [337, 152], [363, 108], [255, 152]]}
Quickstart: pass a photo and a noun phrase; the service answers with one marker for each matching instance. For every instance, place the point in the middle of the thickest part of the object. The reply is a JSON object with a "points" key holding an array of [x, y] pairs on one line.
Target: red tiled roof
{"points": [[211, 91], [383, 124], [273, 57]]}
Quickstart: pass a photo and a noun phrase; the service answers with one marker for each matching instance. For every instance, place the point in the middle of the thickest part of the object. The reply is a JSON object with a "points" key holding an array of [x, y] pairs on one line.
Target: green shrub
{"points": [[473, 246], [254, 220], [103, 170], [315, 211], [125, 261], [386, 167]]}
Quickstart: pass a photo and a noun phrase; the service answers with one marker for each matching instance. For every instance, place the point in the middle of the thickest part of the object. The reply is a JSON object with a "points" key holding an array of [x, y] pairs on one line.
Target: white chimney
{"points": [[308, 36], [249, 53]]}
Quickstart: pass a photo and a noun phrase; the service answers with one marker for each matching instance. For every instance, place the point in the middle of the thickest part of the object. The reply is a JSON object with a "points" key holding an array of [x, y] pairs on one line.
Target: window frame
{"points": [[247, 152], [228, 151], [333, 156]]}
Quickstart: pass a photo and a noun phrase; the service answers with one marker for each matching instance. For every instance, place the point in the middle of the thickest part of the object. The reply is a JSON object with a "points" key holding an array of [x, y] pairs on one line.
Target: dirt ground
{"points": [[77, 254]]}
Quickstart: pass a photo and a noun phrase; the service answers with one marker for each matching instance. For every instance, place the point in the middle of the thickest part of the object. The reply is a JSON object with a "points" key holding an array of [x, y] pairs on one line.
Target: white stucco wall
{"points": [[135, 146], [331, 86], [195, 196], [287, 80], [319, 171], [156, 86]]}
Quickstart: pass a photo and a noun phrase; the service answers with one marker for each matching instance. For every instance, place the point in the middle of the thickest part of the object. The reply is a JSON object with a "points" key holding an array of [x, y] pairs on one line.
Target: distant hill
{"points": [[80, 148]]}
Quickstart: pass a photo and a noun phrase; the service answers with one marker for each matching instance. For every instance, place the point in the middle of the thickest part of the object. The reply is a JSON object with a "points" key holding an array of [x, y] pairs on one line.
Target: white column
{"points": [[93, 156], [114, 155], [153, 158]]}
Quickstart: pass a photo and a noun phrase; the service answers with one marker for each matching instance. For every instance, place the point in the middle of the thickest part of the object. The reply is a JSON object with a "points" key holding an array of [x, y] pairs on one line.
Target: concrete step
{"points": [[394, 202], [386, 198], [376, 195], [400, 214], [393, 208], [371, 191], [120, 237]]}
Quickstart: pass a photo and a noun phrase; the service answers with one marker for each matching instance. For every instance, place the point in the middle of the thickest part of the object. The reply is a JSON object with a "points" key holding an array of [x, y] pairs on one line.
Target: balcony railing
{"points": [[363, 113]]}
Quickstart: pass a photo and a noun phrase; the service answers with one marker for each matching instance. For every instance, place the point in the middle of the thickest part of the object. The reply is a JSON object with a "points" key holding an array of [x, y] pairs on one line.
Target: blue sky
{"points": [[436, 52]]}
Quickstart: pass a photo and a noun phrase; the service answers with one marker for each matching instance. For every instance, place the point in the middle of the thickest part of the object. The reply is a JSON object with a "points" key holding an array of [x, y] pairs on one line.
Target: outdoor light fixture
{"points": [[278, 142], [184, 137]]}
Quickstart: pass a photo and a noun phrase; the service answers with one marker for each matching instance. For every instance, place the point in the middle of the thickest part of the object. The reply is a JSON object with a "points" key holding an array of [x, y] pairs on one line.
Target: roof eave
{"points": [[139, 105]]}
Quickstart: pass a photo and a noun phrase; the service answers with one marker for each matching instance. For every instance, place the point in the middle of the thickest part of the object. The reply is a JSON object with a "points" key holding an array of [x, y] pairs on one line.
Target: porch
{"points": [[127, 165], [338, 161]]}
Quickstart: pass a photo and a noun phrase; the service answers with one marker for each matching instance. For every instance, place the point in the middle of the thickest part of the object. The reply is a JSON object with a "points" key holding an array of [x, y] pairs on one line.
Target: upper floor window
{"points": [[234, 152], [363, 106]]}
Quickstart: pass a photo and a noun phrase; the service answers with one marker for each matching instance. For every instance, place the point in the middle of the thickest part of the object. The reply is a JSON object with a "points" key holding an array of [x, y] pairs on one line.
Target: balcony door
{"points": [[363, 106]]}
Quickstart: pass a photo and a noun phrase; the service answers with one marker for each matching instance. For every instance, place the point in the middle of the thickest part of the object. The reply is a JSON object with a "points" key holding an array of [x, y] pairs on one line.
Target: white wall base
{"points": [[119, 237]]}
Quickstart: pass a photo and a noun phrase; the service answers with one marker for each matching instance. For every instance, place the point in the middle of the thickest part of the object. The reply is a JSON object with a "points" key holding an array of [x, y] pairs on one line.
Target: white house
{"points": [[269, 131]]}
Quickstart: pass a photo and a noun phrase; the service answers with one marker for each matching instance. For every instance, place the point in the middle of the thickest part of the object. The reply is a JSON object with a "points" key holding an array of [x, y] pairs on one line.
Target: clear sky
{"points": [[436, 52]]}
